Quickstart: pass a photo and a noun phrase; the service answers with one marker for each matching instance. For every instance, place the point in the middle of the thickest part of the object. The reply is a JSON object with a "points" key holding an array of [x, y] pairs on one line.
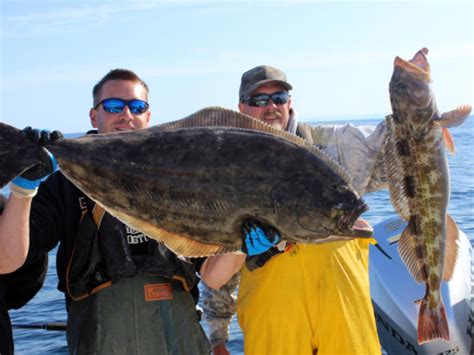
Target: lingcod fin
{"points": [[454, 118], [393, 167], [450, 119], [448, 141], [180, 244], [432, 322], [411, 254], [222, 117], [451, 249]]}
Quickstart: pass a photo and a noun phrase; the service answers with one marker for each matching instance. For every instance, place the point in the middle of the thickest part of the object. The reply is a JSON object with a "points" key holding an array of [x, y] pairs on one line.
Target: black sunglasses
{"points": [[116, 105], [261, 100]]}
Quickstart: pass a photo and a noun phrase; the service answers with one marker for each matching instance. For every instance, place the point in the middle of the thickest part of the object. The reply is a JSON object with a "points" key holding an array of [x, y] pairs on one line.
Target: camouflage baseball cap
{"points": [[263, 74]]}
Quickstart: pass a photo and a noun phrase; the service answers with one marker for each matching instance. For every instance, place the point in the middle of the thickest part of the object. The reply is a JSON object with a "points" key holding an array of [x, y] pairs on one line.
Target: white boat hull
{"points": [[394, 293]]}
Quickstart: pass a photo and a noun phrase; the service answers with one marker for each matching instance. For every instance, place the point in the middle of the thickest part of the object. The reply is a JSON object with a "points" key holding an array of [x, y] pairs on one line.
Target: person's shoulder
{"points": [[58, 181], [302, 126], [57, 191], [305, 131]]}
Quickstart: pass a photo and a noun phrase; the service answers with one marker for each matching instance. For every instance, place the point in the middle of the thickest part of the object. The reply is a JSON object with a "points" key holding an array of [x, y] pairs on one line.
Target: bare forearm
{"points": [[217, 270], [14, 233]]}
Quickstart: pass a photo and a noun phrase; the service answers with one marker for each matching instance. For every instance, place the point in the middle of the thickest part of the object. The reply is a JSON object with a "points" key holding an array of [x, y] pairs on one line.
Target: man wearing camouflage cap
{"points": [[303, 298]]}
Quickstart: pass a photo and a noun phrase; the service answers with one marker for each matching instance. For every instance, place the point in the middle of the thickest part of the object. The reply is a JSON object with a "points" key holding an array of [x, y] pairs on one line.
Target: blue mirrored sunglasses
{"points": [[261, 100], [116, 105]]}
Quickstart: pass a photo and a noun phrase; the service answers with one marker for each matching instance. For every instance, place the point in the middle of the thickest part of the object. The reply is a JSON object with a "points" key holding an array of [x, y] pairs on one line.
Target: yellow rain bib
{"points": [[312, 298]]}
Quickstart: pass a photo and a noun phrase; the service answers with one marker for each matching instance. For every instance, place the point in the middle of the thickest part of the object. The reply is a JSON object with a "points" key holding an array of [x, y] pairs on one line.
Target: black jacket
{"points": [[16, 289]]}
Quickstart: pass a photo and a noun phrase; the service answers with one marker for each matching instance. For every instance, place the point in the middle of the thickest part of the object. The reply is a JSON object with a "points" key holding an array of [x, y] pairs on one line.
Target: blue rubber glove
{"points": [[26, 185], [33, 177], [258, 238]]}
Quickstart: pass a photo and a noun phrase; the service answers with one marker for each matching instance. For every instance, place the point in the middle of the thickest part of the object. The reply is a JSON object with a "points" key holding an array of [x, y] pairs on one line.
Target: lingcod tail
{"points": [[17, 153], [432, 322]]}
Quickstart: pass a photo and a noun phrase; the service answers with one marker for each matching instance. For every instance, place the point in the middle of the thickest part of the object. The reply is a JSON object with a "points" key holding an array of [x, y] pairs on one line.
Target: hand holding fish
{"points": [[42, 136], [26, 185], [258, 238]]}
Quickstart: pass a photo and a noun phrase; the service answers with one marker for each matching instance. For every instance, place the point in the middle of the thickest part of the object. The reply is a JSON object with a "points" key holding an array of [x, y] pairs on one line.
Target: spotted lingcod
{"points": [[194, 182], [418, 176]]}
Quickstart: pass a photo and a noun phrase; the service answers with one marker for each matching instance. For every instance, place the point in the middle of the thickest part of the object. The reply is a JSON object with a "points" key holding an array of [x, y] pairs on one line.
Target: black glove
{"points": [[47, 163], [38, 173], [26, 185], [42, 136]]}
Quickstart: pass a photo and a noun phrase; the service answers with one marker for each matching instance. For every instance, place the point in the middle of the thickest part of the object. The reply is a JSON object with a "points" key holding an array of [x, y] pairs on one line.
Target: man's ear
{"points": [[93, 117]]}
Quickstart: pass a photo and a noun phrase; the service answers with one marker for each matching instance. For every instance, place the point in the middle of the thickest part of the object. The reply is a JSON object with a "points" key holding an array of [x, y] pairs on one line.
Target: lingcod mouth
{"points": [[418, 66]]}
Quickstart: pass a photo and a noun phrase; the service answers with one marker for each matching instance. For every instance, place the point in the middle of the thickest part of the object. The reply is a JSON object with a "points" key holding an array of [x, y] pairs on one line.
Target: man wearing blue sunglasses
{"points": [[125, 293], [299, 298], [124, 106]]}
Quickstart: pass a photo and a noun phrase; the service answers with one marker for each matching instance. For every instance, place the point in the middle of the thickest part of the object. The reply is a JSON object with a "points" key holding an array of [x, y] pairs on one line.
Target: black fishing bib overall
{"points": [[129, 304]]}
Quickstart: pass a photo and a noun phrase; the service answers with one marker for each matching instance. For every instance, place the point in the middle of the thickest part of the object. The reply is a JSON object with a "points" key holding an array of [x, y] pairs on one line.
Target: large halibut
{"points": [[192, 183]]}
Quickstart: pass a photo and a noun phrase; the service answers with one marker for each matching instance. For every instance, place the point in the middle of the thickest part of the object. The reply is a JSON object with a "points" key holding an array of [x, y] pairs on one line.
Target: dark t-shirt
{"points": [[17, 289], [6, 339]]}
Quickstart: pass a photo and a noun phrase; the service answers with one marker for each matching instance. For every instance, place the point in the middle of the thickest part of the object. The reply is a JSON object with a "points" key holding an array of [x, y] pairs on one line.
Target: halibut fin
{"points": [[180, 244], [222, 117]]}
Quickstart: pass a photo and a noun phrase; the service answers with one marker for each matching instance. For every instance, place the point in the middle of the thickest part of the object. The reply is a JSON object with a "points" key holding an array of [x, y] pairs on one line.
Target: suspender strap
{"points": [[98, 212]]}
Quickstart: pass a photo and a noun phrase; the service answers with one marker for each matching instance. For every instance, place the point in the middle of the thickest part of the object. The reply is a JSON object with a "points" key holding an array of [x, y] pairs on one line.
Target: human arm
{"points": [[15, 226], [217, 270], [218, 309], [14, 222], [357, 149], [257, 238], [14, 233], [220, 274]]}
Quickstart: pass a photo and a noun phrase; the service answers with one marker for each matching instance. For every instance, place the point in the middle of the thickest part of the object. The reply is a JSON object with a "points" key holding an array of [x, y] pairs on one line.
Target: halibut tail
{"points": [[432, 323], [17, 153]]}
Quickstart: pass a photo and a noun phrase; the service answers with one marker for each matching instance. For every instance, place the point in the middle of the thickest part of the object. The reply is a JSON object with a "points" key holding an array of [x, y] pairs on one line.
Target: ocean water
{"points": [[48, 305]]}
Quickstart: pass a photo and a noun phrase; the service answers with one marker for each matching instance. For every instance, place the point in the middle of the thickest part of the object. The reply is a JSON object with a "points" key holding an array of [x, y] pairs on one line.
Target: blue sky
{"points": [[338, 55]]}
